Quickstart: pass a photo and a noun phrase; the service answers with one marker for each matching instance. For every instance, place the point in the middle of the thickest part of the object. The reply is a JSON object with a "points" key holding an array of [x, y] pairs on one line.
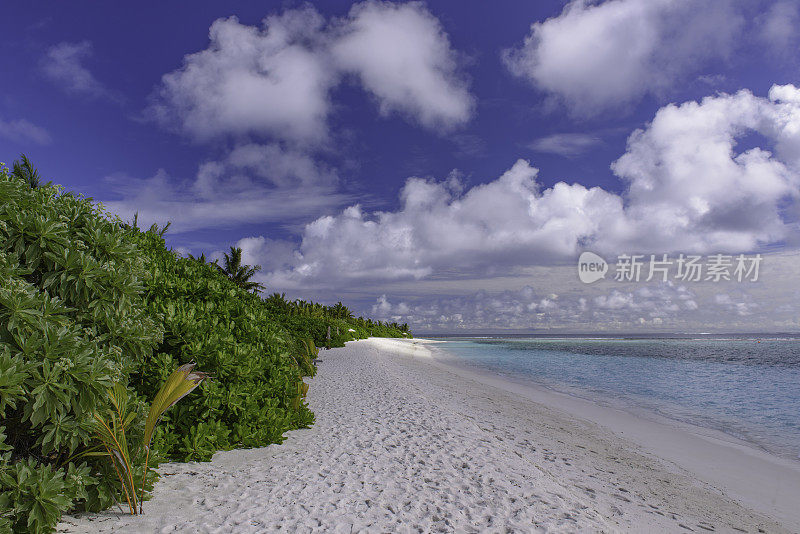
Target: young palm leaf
{"points": [[111, 432], [110, 429], [180, 383]]}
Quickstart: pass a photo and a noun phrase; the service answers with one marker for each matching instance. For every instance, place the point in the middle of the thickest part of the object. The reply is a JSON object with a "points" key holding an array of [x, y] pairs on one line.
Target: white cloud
{"points": [[596, 56], [248, 165], [612, 307], [688, 190], [276, 80], [502, 223], [403, 57], [778, 26], [659, 299], [253, 184], [615, 300], [529, 307], [270, 254], [567, 144], [741, 308], [24, 131], [384, 309], [63, 64], [249, 80]]}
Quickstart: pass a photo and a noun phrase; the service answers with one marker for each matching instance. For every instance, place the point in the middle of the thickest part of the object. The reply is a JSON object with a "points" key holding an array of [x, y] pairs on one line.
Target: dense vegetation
{"points": [[88, 303]]}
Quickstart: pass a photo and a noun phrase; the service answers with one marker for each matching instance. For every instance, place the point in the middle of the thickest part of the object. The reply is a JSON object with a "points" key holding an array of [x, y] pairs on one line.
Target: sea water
{"points": [[745, 386]]}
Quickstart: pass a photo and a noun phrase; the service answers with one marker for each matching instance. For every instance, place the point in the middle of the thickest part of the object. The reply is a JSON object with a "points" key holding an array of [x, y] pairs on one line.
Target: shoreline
{"points": [[739, 468], [405, 443], [731, 430], [641, 410]]}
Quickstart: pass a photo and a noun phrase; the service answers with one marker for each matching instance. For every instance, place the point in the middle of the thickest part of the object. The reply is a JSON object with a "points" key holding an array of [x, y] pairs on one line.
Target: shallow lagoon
{"points": [[747, 387]]}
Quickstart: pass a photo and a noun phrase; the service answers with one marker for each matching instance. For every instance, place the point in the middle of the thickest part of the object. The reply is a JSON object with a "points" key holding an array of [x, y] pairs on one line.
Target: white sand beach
{"points": [[405, 443]]}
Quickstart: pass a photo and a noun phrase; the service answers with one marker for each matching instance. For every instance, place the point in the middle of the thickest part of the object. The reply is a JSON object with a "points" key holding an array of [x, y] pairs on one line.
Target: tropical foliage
{"points": [[112, 429], [207, 318], [240, 274], [91, 305], [311, 320], [72, 324], [25, 171]]}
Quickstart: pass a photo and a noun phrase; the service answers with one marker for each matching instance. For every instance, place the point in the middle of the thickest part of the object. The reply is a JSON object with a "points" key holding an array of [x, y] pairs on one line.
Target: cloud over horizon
{"points": [[688, 189], [662, 306]]}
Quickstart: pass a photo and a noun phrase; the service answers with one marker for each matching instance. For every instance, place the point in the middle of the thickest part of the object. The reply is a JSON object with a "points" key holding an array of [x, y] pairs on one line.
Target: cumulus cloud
{"points": [[567, 144], [505, 221], [24, 131], [596, 56], [660, 299], [250, 163], [402, 56], [386, 310], [269, 80], [270, 254], [688, 190], [276, 80], [63, 64], [253, 184]]}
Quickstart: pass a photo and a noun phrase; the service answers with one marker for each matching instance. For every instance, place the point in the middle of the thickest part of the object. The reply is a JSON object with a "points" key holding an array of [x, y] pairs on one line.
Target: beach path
{"points": [[404, 445]]}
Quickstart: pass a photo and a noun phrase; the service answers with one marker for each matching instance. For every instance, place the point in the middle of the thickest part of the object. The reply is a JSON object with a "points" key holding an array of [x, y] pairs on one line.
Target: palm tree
{"points": [[340, 311], [278, 301], [240, 274], [26, 172]]}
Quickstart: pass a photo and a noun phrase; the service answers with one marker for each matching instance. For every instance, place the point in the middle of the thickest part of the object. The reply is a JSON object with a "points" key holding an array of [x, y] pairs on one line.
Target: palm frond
{"points": [[24, 170], [180, 383], [238, 273], [110, 428]]}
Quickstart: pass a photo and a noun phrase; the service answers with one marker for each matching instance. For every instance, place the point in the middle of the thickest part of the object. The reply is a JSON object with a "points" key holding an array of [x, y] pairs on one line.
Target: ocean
{"points": [[745, 386]]}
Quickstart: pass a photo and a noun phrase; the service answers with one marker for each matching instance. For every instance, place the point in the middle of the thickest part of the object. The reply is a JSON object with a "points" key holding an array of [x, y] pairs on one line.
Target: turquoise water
{"points": [[748, 388]]}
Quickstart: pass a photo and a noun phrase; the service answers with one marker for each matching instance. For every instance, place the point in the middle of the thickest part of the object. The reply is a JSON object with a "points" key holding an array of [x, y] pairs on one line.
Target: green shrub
{"points": [[72, 323], [88, 303], [232, 336]]}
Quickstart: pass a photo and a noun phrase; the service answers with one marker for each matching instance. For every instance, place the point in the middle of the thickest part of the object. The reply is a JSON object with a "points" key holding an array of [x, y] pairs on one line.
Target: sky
{"points": [[443, 164]]}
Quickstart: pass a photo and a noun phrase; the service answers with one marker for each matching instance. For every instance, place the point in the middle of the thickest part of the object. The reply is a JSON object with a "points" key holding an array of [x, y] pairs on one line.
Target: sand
{"points": [[406, 443]]}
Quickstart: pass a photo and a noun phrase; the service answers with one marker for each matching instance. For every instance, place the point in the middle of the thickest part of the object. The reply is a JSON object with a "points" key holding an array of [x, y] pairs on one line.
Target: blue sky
{"points": [[356, 150]]}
